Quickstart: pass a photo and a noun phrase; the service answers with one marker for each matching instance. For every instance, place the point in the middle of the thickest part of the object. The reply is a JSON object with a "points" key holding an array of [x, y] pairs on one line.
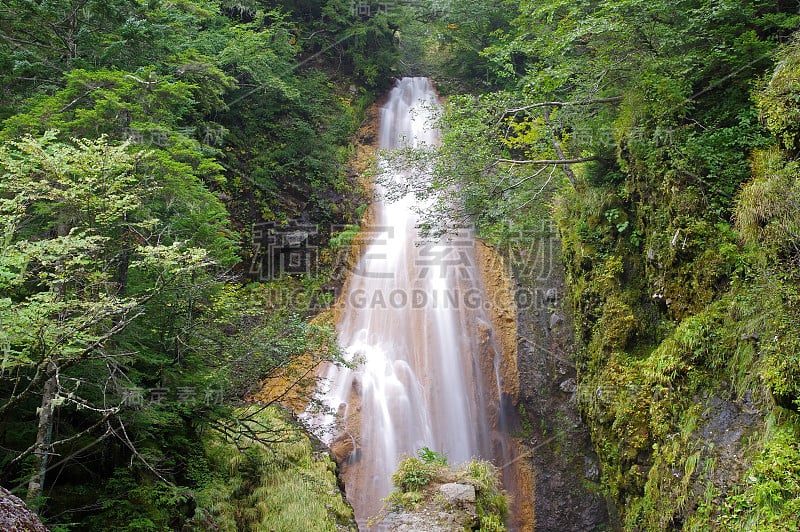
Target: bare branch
{"points": [[79, 98], [41, 372], [75, 436], [523, 180], [611, 99], [18, 42], [140, 80], [545, 161], [129, 444], [538, 193], [71, 456]]}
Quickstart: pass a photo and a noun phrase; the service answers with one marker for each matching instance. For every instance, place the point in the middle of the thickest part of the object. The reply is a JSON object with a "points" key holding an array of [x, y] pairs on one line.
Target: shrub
{"points": [[413, 474], [768, 209]]}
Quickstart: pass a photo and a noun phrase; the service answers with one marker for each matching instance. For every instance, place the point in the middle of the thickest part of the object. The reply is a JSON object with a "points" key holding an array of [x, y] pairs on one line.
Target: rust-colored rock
{"points": [[343, 447], [502, 311]]}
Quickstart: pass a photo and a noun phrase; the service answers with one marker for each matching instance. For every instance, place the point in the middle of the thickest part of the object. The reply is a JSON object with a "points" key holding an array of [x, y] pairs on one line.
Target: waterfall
{"points": [[414, 321]]}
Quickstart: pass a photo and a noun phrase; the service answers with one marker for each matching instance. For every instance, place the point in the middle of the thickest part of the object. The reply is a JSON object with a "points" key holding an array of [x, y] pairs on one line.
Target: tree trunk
{"points": [[44, 432], [44, 437], [122, 272]]}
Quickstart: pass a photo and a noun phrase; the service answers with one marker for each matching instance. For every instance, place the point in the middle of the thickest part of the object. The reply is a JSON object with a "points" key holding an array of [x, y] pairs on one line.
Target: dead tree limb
{"points": [[559, 151], [611, 99]]}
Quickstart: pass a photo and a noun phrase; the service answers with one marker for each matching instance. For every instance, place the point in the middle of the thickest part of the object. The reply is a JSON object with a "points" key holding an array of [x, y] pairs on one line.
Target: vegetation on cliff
{"points": [[661, 138], [431, 494]]}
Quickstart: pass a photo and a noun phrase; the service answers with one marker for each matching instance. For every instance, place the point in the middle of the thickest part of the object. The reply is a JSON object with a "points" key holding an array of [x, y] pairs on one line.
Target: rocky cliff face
{"points": [[556, 440], [16, 517], [557, 478]]}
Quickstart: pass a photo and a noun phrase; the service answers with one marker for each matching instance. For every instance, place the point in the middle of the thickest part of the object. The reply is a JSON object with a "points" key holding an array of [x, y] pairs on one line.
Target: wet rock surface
{"points": [[460, 495], [726, 426], [565, 466], [425, 519]]}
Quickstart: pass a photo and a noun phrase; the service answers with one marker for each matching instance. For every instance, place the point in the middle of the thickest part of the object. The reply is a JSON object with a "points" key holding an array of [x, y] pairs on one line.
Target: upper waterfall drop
{"points": [[411, 319]]}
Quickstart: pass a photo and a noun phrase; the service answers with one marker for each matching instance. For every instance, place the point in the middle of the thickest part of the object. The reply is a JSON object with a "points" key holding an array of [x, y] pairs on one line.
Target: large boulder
{"points": [[448, 507], [16, 517], [459, 495]]}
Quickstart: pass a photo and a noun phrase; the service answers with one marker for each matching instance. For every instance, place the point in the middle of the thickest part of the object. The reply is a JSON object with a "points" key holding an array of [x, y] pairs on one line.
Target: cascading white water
{"points": [[414, 319]]}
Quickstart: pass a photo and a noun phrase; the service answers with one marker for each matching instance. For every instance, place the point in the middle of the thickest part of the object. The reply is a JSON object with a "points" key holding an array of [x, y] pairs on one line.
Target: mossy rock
{"points": [[779, 103]]}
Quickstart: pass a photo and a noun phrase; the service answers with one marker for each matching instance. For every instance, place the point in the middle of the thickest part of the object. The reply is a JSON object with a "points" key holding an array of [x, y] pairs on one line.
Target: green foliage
{"points": [[464, 31], [226, 94], [413, 474], [254, 347], [779, 366], [492, 523], [284, 486], [491, 501], [142, 141], [769, 497], [345, 238], [766, 210], [778, 104], [411, 500], [98, 291], [82, 262], [678, 232], [69, 211], [432, 457], [527, 429]]}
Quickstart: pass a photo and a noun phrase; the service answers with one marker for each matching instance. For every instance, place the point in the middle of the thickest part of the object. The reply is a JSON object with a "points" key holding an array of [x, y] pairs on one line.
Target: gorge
{"points": [[618, 332]]}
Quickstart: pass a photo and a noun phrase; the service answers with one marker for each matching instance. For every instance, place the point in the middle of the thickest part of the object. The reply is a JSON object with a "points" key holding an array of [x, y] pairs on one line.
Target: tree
{"points": [[70, 217], [102, 302], [126, 332]]}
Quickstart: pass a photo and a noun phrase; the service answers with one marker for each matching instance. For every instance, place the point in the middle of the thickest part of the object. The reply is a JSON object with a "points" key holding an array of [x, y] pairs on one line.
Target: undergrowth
{"points": [[286, 486], [698, 312]]}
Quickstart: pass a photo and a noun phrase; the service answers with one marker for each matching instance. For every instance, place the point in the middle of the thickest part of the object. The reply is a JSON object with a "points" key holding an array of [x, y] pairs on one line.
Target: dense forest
{"points": [[156, 155], [149, 148]]}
